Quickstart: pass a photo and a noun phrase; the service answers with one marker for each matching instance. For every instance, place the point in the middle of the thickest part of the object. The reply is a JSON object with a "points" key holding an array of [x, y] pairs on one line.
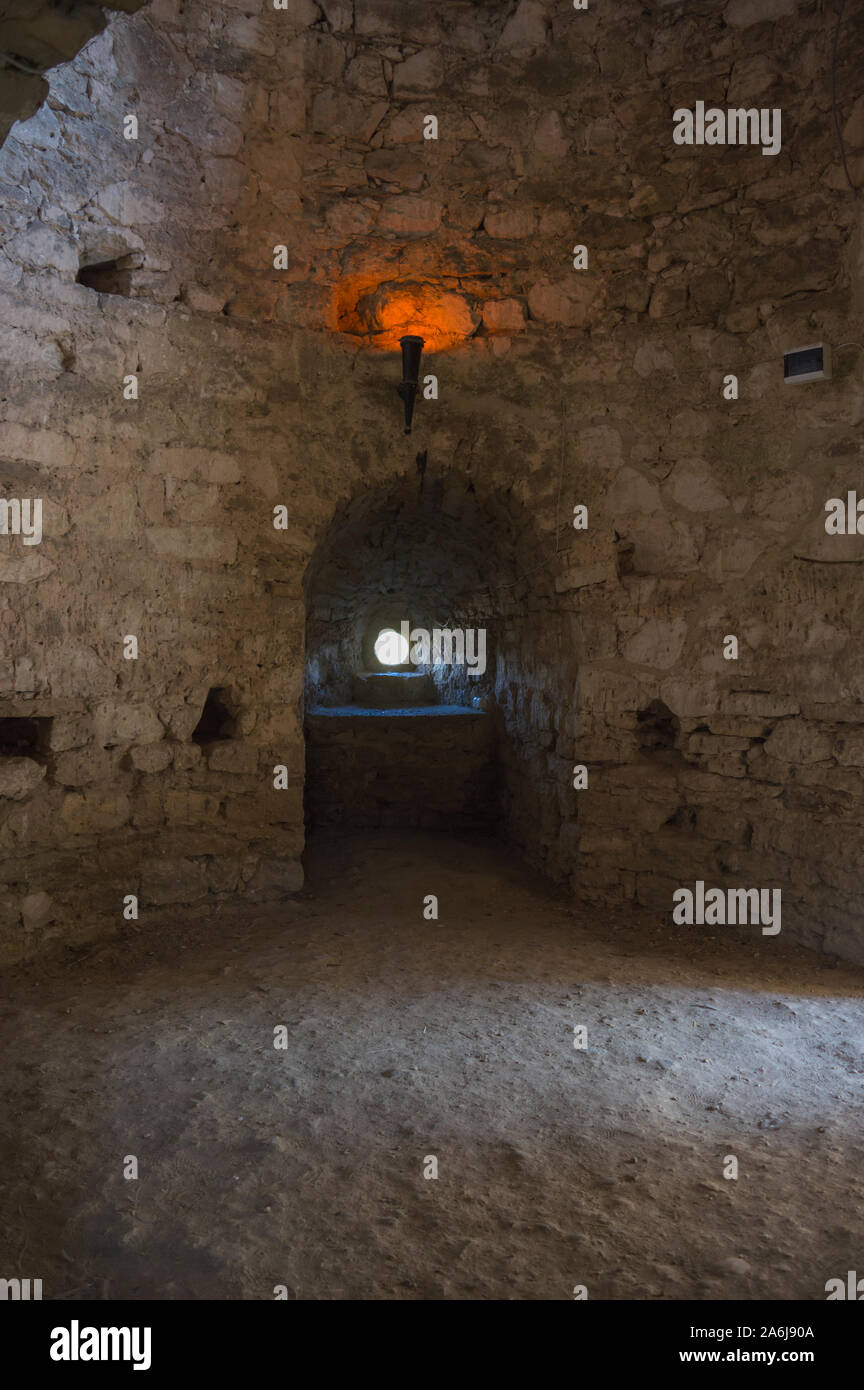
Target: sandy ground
{"points": [[408, 1038]]}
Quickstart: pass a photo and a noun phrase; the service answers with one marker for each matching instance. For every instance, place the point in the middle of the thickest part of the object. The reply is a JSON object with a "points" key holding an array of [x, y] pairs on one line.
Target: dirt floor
{"points": [[409, 1038]]}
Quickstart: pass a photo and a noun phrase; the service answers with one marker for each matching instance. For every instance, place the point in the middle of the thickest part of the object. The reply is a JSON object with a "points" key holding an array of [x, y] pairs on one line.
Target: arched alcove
{"points": [[463, 732]]}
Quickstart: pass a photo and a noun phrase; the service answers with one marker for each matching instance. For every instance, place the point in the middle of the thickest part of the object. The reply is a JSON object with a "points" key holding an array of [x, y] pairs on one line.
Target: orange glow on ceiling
{"points": [[381, 312]]}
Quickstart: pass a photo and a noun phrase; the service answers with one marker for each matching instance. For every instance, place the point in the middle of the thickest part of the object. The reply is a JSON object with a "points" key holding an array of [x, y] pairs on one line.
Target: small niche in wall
{"points": [[217, 721], [25, 738], [656, 728], [110, 277]]}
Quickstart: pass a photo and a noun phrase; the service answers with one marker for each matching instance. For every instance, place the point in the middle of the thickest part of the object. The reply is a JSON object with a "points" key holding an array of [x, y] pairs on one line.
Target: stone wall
{"points": [[263, 387]]}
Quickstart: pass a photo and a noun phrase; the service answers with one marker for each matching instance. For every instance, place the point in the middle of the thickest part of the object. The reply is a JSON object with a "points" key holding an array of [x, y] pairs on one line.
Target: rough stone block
{"points": [[172, 881], [152, 757], [91, 812], [739, 14], [230, 756], [37, 910], [277, 878], [527, 28], [215, 543], [409, 214], [19, 777], [796, 741], [423, 72], [116, 722]]}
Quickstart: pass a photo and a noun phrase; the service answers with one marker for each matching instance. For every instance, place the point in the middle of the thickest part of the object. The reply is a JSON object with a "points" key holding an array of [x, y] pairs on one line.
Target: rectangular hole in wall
{"points": [[109, 277], [216, 722], [657, 728], [25, 737]]}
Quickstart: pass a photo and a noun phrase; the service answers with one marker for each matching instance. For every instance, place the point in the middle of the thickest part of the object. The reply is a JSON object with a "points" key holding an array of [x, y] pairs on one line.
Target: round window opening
{"points": [[391, 648]]}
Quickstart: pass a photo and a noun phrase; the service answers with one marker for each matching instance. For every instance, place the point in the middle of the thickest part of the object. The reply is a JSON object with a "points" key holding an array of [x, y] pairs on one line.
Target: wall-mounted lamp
{"points": [[412, 349]]}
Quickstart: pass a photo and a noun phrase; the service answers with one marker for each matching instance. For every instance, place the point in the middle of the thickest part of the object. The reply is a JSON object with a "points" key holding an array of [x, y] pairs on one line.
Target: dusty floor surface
{"points": [[409, 1038]]}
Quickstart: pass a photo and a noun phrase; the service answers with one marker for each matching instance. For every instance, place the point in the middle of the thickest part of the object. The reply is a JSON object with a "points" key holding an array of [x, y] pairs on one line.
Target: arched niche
{"points": [[443, 556]]}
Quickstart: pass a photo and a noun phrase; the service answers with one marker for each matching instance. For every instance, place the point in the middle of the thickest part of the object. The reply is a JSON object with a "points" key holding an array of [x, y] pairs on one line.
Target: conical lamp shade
{"points": [[412, 350]]}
